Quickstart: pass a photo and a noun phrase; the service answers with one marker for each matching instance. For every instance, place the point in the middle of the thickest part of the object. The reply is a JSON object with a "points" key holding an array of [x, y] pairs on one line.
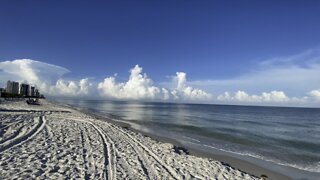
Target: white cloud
{"points": [[166, 94], [185, 92], [265, 98], [137, 87], [47, 77], [315, 94], [72, 88], [141, 87], [242, 96], [181, 79], [35, 72]]}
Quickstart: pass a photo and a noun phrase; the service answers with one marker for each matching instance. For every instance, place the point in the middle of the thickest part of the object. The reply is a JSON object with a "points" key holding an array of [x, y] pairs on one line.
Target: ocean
{"points": [[285, 138]]}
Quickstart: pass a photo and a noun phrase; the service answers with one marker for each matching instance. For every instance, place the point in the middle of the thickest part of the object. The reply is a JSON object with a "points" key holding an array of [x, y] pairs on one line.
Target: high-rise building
{"points": [[25, 90], [2, 90], [32, 92], [12, 87], [37, 93]]}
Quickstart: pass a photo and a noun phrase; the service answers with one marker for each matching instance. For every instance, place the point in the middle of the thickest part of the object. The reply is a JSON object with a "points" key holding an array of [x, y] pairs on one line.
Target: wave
{"points": [[315, 167], [193, 139]]}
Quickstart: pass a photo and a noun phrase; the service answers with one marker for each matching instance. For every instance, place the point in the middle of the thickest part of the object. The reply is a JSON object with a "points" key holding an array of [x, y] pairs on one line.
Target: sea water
{"points": [[285, 136]]}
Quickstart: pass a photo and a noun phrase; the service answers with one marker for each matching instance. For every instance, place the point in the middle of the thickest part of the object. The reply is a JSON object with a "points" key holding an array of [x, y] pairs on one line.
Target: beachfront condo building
{"points": [[37, 93], [32, 92], [25, 90], [2, 90], [12, 87]]}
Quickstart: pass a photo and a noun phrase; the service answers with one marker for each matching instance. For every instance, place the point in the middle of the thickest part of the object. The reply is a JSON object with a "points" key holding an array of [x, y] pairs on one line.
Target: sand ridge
{"points": [[56, 142]]}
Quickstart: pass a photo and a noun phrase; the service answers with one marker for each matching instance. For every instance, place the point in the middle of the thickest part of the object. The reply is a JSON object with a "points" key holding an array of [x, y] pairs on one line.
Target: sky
{"points": [[221, 52]]}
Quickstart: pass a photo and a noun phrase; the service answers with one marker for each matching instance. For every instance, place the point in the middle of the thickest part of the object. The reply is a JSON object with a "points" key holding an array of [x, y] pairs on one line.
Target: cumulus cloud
{"points": [[66, 88], [268, 98], [265, 97], [185, 92], [139, 86], [315, 94]]}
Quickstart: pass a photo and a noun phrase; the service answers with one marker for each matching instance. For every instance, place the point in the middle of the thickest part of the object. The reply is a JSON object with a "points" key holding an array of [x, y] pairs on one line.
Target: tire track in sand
{"points": [[20, 140], [111, 157], [145, 163], [140, 157], [169, 169], [14, 135], [84, 152], [109, 151]]}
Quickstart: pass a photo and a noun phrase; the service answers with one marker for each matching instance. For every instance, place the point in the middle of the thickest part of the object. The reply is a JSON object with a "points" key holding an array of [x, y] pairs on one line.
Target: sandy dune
{"points": [[55, 142]]}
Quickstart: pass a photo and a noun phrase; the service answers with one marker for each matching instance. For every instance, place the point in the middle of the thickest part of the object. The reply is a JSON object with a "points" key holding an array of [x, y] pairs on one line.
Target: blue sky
{"points": [[210, 41]]}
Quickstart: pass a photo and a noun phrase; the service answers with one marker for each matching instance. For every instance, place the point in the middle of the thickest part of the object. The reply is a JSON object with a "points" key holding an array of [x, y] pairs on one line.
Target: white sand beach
{"points": [[54, 142]]}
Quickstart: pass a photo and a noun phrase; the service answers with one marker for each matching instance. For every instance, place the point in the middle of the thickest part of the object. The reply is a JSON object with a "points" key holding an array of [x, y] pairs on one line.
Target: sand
{"points": [[56, 142]]}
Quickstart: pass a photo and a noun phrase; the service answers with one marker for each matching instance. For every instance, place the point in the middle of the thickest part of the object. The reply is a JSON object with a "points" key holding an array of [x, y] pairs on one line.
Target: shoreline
{"points": [[239, 164]]}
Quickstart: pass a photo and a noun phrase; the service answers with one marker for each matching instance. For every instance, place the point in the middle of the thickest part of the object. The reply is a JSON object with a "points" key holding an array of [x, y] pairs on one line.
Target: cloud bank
{"points": [[51, 81], [139, 86], [49, 78], [268, 98]]}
